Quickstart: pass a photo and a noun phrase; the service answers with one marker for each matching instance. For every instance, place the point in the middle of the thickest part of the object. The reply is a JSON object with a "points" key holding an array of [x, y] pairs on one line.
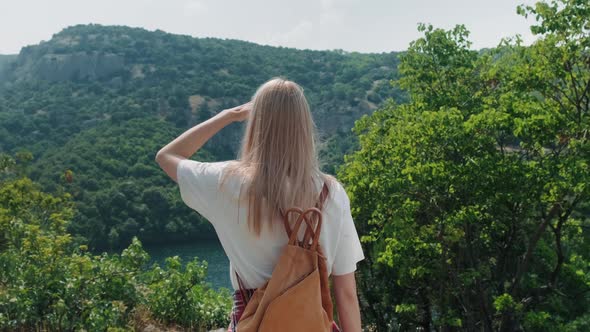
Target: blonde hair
{"points": [[278, 159]]}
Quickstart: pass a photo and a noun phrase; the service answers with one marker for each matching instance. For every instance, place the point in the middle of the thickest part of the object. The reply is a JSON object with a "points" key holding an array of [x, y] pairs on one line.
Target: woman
{"points": [[277, 169]]}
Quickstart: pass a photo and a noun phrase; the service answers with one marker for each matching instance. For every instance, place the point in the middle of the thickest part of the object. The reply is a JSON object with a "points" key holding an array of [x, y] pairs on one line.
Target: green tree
{"points": [[470, 197], [48, 281]]}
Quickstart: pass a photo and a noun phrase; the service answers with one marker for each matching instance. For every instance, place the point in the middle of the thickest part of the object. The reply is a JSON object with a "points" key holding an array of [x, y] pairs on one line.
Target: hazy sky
{"points": [[352, 25]]}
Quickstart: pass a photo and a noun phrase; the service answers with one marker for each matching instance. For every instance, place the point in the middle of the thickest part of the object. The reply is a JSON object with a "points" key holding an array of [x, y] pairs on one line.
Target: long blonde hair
{"points": [[278, 159]]}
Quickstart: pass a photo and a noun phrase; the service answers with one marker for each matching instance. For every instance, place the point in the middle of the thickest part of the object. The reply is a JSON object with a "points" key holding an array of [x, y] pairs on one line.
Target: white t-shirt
{"points": [[254, 257]]}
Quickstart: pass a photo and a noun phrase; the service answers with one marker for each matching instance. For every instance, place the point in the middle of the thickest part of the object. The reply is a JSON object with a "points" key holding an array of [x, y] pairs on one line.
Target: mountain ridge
{"points": [[74, 40], [99, 101]]}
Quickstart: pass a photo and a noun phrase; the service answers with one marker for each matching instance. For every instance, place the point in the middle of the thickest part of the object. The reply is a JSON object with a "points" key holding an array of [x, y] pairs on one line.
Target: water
{"points": [[208, 250]]}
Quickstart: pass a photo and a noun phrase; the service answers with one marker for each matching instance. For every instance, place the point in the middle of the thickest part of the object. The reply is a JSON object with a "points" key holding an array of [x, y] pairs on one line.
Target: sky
{"points": [[350, 25]]}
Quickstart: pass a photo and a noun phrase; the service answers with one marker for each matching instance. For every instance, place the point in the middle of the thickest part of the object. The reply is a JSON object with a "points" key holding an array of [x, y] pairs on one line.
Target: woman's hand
{"points": [[189, 142], [240, 113]]}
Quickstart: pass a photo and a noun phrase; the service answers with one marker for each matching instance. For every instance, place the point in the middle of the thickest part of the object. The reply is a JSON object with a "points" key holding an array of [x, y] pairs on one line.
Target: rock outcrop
{"points": [[72, 66]]}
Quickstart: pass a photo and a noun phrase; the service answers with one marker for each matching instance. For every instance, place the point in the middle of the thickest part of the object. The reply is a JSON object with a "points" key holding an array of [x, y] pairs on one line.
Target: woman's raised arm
{"points": [[187, 144]]}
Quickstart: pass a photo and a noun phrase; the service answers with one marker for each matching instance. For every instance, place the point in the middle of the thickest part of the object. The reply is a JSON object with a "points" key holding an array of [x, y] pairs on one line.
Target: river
{"points": [[208, 250]]}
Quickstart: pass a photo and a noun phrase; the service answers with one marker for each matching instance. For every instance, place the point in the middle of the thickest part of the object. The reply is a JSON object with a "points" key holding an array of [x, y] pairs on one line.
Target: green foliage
{"points": [[120, 192], [472, 198], [505, 302], [180, 296], [47, 281], [105, 123], [332, 151]]}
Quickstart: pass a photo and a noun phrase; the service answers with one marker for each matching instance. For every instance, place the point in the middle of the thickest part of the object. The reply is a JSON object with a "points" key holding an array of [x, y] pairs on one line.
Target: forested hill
{"points": [[95, 103], [6, 59]]}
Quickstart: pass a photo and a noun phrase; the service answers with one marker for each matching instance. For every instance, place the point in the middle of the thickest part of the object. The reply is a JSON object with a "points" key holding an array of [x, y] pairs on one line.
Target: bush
{"points": [[47, 281]]}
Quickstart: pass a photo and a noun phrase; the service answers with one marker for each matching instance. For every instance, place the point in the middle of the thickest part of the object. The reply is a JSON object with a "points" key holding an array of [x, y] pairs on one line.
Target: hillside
{"points": [[101, 100], [5, 61]]}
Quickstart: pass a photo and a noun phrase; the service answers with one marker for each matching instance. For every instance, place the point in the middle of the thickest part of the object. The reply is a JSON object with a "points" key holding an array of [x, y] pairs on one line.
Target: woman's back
{"points": [[254, 256], [277, 169]]}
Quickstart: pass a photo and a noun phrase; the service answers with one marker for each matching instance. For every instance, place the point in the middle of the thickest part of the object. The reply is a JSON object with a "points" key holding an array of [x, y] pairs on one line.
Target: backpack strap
{"points": [[309, 234], [323, 196], [243, 292], [313, 233], [319, 205]]}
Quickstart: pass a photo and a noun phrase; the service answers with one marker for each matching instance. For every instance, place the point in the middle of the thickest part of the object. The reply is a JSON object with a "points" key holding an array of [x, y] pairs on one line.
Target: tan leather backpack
{"points": [[297, 296]]}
